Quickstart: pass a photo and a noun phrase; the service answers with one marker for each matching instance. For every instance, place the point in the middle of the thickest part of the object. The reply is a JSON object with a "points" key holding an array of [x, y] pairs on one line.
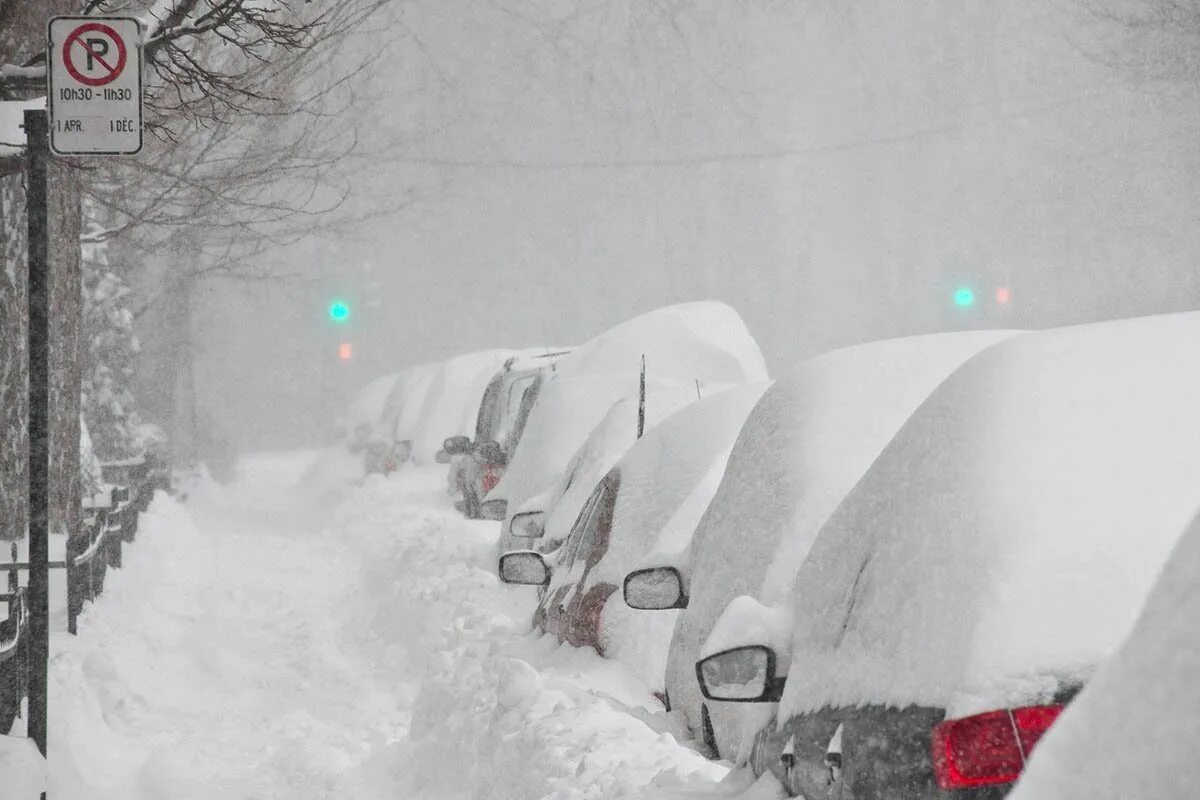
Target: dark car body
{"points": [[564, 610], [503, 411], [885, 752]]}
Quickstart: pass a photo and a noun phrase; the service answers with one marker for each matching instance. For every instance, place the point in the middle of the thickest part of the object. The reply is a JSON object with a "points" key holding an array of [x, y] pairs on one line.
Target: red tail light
{"points": [[491, 476], [989, 748]]}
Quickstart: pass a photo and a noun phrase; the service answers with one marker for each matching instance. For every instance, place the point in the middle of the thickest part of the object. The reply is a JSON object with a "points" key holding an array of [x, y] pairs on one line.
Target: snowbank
{"points": [[22, 769], [1003, 543], [254, 647], [492, 712], [1132, 732], [810, 438]]}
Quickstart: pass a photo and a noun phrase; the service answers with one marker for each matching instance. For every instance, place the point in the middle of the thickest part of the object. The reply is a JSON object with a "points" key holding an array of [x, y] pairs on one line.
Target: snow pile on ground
{"points": [[1002, 544], [260, 644], [810, 438], [22, 769], [332, 474], [499, 713], [1132, 732]]}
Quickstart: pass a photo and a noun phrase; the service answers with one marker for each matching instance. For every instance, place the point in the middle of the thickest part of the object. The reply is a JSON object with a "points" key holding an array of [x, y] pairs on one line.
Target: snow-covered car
{"points": [[657, 490], [1132, 731], [995, 553], [427, 403], [689, 350], [810, 438], [357, 423], [477, 465]]}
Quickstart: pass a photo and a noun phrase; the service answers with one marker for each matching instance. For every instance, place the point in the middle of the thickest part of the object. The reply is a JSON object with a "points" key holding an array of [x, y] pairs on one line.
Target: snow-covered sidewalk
{"points": [[258, 644]]}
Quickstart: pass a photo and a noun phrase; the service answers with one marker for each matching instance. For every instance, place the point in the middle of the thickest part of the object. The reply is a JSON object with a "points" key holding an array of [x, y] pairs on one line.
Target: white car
{"points": [[811, 437], [653, 496], [689, 350], [993, 556], [1132, 731]]}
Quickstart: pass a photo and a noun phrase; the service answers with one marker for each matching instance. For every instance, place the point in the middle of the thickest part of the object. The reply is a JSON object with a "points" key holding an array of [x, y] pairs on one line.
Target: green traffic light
{"points": [[964, 297], [339, 311]]}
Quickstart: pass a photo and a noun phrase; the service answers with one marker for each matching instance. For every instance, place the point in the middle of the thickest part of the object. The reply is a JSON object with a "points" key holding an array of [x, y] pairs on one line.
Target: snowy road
{"points": [[264, 643]]}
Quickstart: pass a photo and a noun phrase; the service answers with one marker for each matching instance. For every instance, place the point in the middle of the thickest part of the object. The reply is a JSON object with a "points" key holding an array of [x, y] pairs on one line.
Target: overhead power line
{"points": [[699, 159]]}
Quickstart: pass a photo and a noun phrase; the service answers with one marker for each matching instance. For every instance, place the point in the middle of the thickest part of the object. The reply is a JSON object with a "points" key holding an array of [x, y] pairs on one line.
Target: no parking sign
{"points": [[95, 92]]}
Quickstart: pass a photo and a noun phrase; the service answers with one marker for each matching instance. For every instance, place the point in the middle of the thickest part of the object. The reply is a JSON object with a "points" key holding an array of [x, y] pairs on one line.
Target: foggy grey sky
{"points": [[832, 172]]}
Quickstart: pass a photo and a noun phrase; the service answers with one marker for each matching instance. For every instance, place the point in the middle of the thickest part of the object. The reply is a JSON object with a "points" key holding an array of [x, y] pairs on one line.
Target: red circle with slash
{"points": [[112, 71]]}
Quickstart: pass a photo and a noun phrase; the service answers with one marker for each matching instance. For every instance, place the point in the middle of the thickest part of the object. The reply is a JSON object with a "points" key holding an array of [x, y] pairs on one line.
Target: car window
{"points": [[489, 411], [510, 410], [522, 417], [593, 531], [516, 391], [583, 523]]}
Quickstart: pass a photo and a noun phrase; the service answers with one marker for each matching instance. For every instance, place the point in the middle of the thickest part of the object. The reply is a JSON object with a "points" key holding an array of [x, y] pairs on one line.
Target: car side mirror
{"points": [[740, 675], [492, 453], [457, 445], [441, 457], [655, 589], [528, 524], [493, 509], [524, 567]]}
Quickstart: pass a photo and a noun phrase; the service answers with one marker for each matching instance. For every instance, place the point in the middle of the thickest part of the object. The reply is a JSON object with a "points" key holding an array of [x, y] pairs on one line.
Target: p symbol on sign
{"points": [[97, 49]]}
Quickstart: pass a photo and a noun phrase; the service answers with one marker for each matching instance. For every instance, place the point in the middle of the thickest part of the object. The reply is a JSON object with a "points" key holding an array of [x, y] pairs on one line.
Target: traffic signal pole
{"points": [[38, 261]]}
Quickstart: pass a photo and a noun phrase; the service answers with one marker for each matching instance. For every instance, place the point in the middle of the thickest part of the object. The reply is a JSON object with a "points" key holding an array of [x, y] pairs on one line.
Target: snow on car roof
{"points": [[565, 414], [1132, 731], [705, 341], [666, 480], [535, 358], [684, 345], [611, 437], [661, 470], [1001, 544], [809, 439], [367, 406]]}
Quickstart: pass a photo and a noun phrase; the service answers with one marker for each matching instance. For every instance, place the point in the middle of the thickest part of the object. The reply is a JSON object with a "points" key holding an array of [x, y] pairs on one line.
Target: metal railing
{"points": [[110, 521]]}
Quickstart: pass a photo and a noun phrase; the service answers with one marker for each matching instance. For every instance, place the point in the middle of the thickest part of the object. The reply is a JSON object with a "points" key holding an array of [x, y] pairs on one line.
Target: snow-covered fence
{"points": [[13, 669], [109, 521]]}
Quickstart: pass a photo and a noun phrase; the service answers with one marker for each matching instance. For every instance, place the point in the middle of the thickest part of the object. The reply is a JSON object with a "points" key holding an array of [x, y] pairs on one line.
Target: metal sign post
{"points": [[93, 107], [38, 155]]}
